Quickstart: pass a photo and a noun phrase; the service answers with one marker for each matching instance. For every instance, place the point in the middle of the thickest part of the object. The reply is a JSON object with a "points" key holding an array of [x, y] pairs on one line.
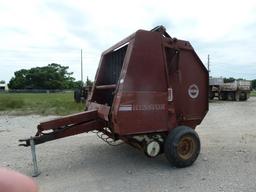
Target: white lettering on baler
{"points": [[149, 107], [142, 107]]}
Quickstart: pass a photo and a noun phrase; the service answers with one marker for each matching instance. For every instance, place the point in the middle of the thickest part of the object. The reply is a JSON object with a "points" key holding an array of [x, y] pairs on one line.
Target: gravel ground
{"points": [[85, 163]]}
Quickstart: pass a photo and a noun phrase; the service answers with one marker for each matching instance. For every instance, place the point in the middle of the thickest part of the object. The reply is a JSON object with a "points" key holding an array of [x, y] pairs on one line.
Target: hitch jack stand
{"points": [[36, 172]]}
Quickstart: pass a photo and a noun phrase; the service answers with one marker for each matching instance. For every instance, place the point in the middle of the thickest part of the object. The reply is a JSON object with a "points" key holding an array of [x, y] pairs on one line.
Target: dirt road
{"points": [[85, 163]]}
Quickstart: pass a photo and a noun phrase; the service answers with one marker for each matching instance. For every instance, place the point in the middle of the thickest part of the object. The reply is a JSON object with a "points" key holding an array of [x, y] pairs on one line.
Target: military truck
{"points": [[239, 90]]}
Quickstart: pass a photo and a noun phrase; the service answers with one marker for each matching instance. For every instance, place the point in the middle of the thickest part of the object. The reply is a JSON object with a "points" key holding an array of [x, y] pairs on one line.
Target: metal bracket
{"points": [[36, 172]]}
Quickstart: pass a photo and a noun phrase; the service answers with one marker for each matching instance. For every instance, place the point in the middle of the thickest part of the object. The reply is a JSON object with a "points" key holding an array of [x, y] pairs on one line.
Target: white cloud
{"points": [[35, 33]]}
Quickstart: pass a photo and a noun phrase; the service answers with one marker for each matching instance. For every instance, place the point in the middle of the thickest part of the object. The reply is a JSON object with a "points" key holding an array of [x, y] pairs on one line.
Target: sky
{"points": [[34, 33]]}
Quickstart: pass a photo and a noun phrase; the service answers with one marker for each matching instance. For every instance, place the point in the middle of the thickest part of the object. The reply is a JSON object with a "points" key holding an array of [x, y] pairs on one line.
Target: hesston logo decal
{"points": [[193, 91], [142, 107]]}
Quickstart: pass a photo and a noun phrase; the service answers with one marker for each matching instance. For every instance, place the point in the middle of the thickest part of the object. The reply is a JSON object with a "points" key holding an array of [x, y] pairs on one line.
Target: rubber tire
{"points": [[231, 96], [77, 96], [223, 96], [211, 95], [171, 142], [243, 96]]}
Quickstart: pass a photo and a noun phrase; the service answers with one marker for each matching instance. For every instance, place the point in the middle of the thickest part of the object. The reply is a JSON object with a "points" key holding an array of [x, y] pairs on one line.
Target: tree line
{"points": [[55, 76], [254, 84], [52, 76]]}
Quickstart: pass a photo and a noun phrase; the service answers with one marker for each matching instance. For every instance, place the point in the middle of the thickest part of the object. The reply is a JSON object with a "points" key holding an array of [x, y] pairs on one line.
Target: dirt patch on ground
{"points": [[85, 163]]}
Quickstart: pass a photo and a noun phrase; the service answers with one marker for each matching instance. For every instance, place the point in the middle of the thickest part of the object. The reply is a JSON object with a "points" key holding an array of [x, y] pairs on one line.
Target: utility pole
{"points": [[82, 77], [208, 63]]}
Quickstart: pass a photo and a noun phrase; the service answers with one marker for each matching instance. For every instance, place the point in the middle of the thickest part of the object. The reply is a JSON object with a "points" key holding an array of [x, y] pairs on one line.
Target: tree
{"points": [[2, 82], [52, 76], [88, 82], [77, 84], [19, 81], [229, 80], [254, 84]]}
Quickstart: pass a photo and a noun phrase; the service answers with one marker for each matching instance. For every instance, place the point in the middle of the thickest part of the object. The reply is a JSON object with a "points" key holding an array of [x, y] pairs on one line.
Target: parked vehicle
{"points": [[239, 90], [81, 94]]}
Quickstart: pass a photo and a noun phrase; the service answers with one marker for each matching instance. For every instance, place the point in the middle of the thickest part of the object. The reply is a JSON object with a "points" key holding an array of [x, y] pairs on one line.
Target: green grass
{"points": [[39, 103], [253, 94]]}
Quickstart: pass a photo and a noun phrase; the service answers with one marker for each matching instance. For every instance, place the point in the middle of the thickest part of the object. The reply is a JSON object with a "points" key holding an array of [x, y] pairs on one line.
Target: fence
{"points": [[37, 91]]}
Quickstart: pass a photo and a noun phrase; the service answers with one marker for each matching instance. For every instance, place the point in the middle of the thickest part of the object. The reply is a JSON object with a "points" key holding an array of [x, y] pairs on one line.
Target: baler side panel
{"points": [[142, 112], [141, 104], [191, 101], [146, 68]]}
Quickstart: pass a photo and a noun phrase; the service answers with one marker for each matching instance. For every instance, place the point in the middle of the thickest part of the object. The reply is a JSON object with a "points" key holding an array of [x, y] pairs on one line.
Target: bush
{"points": [[11, 103], [40, 103]]}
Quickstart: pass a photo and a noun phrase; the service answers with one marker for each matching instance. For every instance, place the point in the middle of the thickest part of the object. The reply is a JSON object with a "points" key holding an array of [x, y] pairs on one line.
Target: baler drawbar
{"points": [[66, 126], [150, 91]]}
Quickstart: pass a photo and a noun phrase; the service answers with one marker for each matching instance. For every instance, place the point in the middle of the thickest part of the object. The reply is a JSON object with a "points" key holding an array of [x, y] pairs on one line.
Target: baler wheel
{"points": [[182, 146], [152, 149]]}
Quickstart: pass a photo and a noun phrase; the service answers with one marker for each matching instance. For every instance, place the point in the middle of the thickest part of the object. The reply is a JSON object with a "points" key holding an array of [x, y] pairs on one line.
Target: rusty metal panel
{"points": [[102, 110], [190, 88], [65, 132], [146, 69], [68, 120], [142, 112]]}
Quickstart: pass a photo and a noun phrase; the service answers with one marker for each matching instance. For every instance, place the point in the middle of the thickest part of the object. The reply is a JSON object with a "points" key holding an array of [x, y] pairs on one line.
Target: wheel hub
{"points": [[153, 148], [186, 147]]}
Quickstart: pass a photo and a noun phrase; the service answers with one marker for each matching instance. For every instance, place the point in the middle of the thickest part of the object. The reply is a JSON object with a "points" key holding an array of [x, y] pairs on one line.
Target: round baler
{"points": [[150, 91]]}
